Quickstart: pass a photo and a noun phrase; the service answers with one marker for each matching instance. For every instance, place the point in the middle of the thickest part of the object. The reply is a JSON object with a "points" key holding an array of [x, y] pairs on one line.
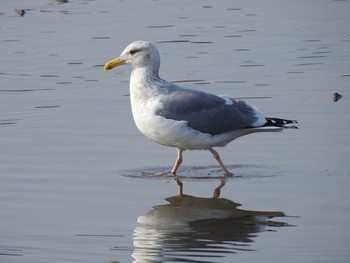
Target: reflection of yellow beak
{"points": [[114, 63]]}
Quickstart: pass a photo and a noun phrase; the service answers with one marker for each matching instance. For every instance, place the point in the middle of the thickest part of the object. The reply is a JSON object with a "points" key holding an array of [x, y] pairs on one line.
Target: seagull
{"points": [[182, 118]]}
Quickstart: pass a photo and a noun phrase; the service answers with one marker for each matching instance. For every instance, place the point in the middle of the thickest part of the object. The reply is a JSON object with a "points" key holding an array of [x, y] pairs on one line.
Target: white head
{"points": [[140, 54]]}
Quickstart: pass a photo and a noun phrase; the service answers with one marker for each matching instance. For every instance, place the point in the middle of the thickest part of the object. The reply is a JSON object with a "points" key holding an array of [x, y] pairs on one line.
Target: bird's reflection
{"points": [[197, 229]]}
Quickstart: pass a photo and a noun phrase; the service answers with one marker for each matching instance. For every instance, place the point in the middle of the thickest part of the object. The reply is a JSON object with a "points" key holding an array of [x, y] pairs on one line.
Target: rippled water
{"points": [[78, 183]]}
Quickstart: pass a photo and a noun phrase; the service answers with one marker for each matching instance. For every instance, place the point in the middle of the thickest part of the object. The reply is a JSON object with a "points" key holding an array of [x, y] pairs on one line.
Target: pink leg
{"points": [[178, 161], [218, 159]]}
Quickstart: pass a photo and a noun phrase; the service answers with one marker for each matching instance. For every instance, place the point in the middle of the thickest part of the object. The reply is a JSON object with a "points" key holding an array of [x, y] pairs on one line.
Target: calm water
{"points": [[77, 179]]}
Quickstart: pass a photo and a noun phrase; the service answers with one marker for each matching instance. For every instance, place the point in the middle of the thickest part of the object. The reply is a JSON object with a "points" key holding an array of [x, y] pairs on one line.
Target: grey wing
{"points": [[207, 113]]}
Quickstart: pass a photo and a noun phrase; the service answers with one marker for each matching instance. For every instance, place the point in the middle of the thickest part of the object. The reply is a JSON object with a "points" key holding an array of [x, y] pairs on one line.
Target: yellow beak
{"points": [[114, 63]]}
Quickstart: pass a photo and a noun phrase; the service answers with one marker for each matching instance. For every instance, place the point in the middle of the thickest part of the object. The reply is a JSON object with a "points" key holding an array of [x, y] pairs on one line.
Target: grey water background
{"points": [[76, 180]]}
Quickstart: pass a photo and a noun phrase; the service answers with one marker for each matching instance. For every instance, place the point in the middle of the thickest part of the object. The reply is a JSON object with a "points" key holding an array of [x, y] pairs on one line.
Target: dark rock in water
{"points": [[21, 12], [336, 96]]}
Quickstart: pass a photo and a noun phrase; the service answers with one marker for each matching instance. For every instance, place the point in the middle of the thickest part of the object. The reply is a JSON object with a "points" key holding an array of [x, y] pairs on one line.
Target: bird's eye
{"points": [[134, 51]]}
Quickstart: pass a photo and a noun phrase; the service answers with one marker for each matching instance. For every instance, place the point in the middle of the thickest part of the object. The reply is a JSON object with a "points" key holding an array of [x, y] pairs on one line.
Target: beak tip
{"points": [[114, 63], [107, 67]]}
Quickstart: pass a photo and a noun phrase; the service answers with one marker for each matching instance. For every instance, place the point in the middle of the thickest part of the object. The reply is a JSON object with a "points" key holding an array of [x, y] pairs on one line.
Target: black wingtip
{"points": [[279, 122]]}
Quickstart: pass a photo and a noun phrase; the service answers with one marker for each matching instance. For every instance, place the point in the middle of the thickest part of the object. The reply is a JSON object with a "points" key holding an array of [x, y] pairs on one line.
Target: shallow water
{"points": [[80, 184]]}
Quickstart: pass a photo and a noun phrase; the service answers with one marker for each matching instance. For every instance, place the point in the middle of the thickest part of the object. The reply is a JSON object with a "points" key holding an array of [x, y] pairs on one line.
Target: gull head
{"points": [[140, 54]]}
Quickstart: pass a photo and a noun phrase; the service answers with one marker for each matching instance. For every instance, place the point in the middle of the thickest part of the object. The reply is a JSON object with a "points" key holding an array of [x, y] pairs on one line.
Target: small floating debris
{"points": [[62, 1], [21, 12], [336, 96]]}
